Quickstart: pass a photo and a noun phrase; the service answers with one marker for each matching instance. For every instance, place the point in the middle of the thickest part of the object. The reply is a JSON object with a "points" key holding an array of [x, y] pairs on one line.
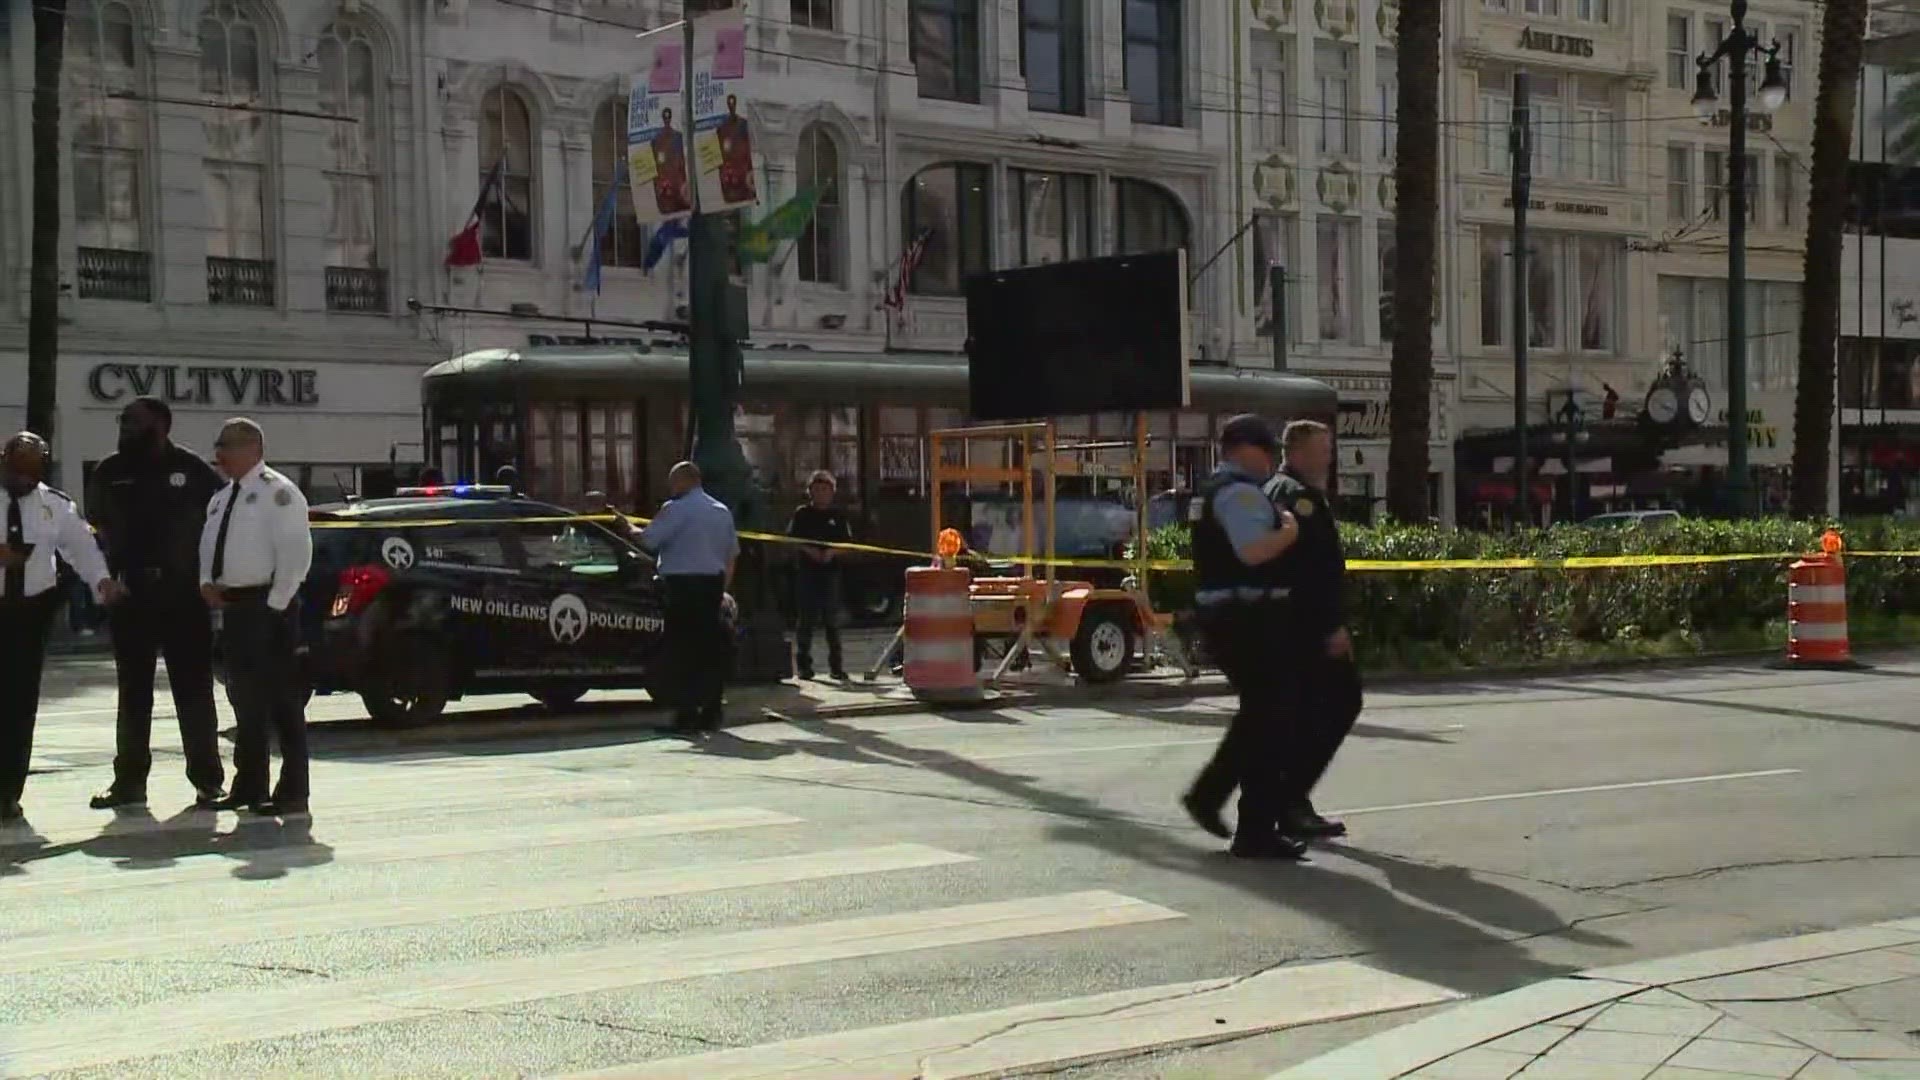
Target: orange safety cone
{"points": [[938, 632], [1817, 609]]}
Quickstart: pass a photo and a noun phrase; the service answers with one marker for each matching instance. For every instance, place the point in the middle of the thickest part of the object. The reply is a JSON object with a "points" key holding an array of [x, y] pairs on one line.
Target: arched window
{"points": [[624, 244], [820, 244], [348, 81], [109, 154], [506, 159], [1147, 218], [233, 73], [948, 204]]}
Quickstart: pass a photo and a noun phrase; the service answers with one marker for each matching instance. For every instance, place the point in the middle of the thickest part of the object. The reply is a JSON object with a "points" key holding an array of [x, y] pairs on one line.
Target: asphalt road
{"points": [[517, 894]]}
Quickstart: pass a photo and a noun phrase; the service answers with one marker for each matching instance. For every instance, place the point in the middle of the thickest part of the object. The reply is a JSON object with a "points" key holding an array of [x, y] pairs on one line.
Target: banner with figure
{"points": [[722, 139], [656, 139]]}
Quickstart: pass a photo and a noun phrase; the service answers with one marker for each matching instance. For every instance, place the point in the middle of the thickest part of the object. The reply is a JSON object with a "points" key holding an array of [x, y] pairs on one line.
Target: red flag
{"points": [[464, 248]]}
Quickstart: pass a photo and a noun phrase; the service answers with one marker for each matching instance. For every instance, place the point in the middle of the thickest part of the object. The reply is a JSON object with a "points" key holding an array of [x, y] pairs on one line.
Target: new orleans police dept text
{"points": [[604, 620]]}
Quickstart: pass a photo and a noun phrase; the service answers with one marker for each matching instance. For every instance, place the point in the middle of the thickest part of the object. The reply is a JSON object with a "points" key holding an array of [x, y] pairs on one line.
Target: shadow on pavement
{"points": [[264, 848], [1700, 701], [1361, 730], [1410, 939]]}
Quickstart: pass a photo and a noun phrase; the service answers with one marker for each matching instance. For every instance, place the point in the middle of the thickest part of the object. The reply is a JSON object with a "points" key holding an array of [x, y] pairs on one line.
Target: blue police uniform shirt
{"points": [[692, 535], [1246, 515]]}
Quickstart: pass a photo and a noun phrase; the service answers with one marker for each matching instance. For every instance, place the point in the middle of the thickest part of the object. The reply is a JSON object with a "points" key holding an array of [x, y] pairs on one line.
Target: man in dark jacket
{"points": [[816, 575], [149, 502]]}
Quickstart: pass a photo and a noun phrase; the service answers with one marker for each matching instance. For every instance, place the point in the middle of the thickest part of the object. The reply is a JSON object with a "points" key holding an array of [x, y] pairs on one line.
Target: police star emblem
{"points": [[1303, 508]]}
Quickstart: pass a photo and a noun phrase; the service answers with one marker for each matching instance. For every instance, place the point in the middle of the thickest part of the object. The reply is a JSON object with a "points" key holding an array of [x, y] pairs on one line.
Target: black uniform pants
{"points": [[1250, 643], [264, 688], [696, 650], [1332, 704], [23, 651], [816, 596], [164, 619]]}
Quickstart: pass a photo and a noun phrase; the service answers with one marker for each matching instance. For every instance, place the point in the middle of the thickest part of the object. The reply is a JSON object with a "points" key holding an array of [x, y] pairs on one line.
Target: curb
{"points": [[1408, 1049]]}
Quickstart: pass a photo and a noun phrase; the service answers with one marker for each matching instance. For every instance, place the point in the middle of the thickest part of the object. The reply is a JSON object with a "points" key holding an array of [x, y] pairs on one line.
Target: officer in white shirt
{"points": [[38, 523], [255, 551]]}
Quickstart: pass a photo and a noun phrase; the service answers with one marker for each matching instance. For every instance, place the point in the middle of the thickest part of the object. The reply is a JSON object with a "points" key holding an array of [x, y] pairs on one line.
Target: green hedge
{"points": [[1440, 620]]}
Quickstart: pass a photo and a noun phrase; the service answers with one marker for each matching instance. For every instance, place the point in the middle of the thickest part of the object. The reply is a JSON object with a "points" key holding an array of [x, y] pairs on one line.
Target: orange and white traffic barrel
{"points": [[1817, 609], [938, 635]]}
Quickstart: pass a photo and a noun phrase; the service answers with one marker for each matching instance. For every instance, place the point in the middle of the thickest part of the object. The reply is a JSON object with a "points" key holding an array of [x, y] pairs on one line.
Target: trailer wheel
{"points": [[1103, 645]]}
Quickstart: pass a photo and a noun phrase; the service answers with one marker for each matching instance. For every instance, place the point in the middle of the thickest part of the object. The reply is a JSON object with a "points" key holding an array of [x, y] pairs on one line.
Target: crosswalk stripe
{"points": [[1059, 1034], [71, 878], [224, 1018], [247, 927]]}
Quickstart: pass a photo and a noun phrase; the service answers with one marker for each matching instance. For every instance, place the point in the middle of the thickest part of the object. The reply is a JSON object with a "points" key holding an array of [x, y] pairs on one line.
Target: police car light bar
{"points": [[457, 491]]}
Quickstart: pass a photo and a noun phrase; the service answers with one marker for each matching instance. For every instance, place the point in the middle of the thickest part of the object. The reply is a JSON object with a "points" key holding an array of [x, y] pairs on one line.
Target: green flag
{"points": [[785, 222]]}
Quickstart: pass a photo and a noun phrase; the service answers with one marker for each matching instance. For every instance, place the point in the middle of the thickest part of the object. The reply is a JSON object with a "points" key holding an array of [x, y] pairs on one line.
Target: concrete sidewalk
{"points": [[1828, 1006]]}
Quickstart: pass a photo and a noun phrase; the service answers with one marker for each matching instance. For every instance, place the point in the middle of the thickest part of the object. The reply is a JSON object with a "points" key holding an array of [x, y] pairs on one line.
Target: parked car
{"points": [[435, 593]]}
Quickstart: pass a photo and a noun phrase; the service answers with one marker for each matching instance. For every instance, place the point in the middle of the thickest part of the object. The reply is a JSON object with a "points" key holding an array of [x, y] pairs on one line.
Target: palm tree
{"points": [[1416, 206], [1843, 33], [43, 294]]}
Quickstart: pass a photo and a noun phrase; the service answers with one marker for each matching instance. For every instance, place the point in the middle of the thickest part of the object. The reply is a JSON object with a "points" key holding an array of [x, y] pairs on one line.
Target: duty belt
{"points": [[1239, 595]]}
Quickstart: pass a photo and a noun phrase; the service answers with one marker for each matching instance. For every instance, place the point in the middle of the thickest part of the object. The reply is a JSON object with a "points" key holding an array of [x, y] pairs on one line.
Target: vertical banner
{"points": [[656, 131], [723, 144]]}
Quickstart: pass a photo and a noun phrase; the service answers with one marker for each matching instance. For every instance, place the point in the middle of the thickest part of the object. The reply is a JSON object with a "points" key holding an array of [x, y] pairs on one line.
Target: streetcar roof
{"points": [[572, 373]]}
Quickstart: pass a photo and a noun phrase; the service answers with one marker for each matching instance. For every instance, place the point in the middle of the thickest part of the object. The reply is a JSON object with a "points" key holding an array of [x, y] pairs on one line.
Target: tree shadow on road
{"points": [[1406, 938], [1704, 702]]}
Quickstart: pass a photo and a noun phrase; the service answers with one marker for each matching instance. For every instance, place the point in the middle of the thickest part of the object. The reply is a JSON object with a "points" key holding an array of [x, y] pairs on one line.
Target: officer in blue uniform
{"points": [[694, 538], [1241, 603], [1328, 700]]}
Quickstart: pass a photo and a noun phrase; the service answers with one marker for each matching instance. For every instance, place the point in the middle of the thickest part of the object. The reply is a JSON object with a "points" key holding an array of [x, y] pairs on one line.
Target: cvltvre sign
{"points": [[183, 385]]}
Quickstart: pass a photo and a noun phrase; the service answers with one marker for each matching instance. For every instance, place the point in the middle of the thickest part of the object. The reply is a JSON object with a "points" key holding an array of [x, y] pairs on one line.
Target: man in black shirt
{"points": [[149, 502], [816, 576]]}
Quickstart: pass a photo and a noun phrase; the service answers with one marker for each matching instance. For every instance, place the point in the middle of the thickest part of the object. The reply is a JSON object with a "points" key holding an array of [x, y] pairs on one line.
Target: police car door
{"points": [[463, 574], [604, 619]]}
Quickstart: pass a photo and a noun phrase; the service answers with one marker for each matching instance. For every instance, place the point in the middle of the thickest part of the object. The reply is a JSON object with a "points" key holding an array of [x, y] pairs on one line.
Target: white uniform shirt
{"points": [[50, 523], [268, 542]]}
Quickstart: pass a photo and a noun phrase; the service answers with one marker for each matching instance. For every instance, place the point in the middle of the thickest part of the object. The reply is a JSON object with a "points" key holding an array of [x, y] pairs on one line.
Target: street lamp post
{"points": [[1739, 43]]}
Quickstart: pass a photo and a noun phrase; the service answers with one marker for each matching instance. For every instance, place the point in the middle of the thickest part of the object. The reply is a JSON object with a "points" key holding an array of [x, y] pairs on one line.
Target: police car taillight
{"points": [[359, 585]]}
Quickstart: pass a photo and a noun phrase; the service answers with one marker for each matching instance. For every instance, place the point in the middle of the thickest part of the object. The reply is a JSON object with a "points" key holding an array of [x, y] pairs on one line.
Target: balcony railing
{"points": [[113, 274], [356, 288], [247, 282]]}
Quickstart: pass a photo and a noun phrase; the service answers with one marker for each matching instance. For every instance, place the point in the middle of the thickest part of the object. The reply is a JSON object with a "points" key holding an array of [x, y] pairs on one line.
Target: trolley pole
{"points": [[1520, 149], [1277, 284]]}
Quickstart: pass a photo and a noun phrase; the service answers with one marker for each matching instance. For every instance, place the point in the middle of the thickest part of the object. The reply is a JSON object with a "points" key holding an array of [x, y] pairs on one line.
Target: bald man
{"points": [[38, 522], [694, 538]]}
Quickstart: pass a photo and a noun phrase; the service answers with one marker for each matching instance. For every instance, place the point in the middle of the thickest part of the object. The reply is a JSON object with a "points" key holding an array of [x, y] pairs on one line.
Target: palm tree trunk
{"points": [[1843, 34], [1416, 206], [43, 296]]}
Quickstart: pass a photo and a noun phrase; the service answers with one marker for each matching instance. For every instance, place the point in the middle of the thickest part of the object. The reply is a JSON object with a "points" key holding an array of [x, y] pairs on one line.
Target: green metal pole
{"points": [[1739, 493]]}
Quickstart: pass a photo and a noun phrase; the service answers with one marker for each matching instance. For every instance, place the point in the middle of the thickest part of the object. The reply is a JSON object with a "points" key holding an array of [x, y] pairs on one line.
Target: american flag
{"points": [[896, 297]]}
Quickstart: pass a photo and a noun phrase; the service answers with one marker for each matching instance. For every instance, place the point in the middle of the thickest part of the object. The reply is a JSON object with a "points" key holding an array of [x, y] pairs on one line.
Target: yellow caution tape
{"points": [[1571, 562]]}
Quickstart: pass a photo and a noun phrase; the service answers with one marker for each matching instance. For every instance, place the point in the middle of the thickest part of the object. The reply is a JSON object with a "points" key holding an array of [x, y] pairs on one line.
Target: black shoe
{"points": [[10, 812], [1267, 846], [1308, 825], [281, 809], [712, 718], [840, 675], [208, 798], [113, 798], [239, 803], [1207, 817]]}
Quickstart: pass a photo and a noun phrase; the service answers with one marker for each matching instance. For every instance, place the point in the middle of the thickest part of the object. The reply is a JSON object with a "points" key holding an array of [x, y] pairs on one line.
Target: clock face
{"points": [[1698, 405], [1663, 405]]}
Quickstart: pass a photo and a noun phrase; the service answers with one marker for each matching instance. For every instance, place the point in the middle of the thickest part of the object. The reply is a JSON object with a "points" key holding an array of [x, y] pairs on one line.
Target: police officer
{"points": [[693, 537], [816, 577], [1329, 700], [38, 521], [255, 551], [1241, 600], [149, 501]]}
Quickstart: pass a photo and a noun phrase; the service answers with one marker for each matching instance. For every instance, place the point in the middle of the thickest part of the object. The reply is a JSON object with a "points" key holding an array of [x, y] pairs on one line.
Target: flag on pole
{"points": [[785, 222], [909, 262], [464, 248], [602, 221], [664, 234]]}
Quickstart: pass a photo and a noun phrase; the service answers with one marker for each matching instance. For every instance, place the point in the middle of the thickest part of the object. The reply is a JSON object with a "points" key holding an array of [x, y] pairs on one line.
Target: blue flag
{"points": [[663, 238], [602, 221]]}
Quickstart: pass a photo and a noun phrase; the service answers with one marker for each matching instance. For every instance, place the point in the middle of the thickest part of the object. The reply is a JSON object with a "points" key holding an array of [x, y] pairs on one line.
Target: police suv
{"points": [[439, 592]]}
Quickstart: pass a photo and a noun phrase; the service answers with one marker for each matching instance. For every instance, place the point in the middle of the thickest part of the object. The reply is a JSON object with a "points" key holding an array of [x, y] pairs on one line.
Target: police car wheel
{"points": [[1103, 645], [560, 698]]}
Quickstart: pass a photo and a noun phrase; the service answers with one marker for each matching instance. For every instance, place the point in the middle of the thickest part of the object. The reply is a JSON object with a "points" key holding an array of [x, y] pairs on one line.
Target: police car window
{"points": [[468, 546], [575, 549]]}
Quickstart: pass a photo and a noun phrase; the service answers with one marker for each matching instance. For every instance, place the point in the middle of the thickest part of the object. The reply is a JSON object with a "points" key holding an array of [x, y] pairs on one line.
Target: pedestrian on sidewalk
{"points": [[1327, 700], [694, 539], [255, 551], [148, 499], [817, 583], [39, 522], [1241, 600]]}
